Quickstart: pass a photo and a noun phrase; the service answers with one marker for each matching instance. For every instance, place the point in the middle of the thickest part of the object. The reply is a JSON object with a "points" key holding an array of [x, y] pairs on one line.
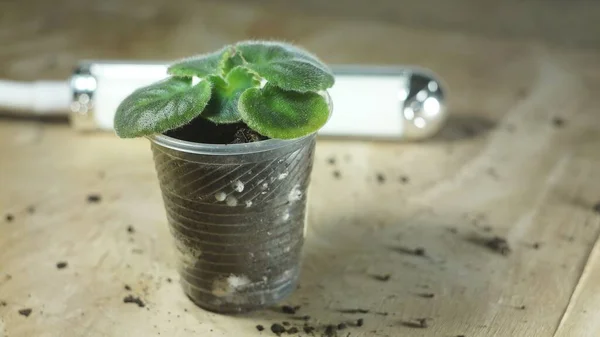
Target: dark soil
{"points": [[558, 122], [419, 323], [133, 299], [496, 244], [337, 174], [25, 312], [62, 265], [522, 307], [330, 331], [342, 326], [360, 322], [31, 209], [284, 323], [331, 160], [127, 287], [94, 198], [204, 131], [3, 304], [308, 329], [404, 179], [596, 207], [380, 178], [427, 295], [260, 327], [536, 245], [130, 229], [287, 309], [354, 311], [277, 329], [292, 330], [382, 278], [419, 251], [499, 245], [169, 280], [9, 217]]}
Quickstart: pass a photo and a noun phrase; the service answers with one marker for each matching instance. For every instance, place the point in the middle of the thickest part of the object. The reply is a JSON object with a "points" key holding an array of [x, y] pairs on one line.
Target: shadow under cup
{"points": [[237, 215]]}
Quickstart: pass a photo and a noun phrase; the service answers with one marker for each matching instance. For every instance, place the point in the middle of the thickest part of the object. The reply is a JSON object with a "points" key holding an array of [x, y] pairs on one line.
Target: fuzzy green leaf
{"points": [[160, 107], [286, 66], [223, 105], [277, 113], [200, 66]]}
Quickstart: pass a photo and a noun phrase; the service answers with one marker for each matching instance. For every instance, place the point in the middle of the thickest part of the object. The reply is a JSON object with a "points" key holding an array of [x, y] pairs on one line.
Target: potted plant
{"points": [[232, 134]]}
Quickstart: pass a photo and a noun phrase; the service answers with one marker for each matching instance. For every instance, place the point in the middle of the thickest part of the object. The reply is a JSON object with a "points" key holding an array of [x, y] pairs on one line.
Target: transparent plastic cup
{"points": [[237, 216]]}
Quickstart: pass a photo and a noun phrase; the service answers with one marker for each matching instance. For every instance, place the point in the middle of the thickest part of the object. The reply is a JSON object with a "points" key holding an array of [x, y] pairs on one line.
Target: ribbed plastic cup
{"points": [[237, 215]]}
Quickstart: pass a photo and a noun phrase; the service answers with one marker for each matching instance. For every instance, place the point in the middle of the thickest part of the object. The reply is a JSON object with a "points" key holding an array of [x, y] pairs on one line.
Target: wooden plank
{"points": [[503, 166]]}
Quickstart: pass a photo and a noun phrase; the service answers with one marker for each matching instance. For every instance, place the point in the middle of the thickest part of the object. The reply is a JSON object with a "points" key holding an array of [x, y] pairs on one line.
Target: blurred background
{"points": [[46, 39]]}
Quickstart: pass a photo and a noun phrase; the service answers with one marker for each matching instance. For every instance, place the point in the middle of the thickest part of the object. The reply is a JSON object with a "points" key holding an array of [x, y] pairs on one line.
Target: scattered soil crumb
{"points": [[94, 198], [31, 209], [285, 323], [499, 245], [419, 251], [306, 317], [292, 331], [522, 307], [133, 299], [25, 312], [277, 329], [169, 280], [61, 265], [288, 309], [420, 323], [130, 229], [380, 178], [185, 310], [354, 311], [342, 326], [486, 229], [308, 329], [496, 244], [3, 303], [596, 207], [360, 322], [260, 327], [453, 230], [127, 287], [331, 160], [9, 217], [330, 331], [536, 245], [337, 174], [382, 278], [427, 295], [404, 179], [558, 122]]}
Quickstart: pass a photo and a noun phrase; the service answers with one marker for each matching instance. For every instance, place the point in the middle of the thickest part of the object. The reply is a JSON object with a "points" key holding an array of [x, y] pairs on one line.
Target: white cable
{"points": [[38, 98]]}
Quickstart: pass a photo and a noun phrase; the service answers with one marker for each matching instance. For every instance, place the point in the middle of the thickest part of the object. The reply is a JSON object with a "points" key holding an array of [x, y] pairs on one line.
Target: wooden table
{"points": [[519, 159]]}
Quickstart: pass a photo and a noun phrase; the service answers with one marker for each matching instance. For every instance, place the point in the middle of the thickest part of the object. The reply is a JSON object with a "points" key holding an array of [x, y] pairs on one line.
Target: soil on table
{"points": [[204, 131]]}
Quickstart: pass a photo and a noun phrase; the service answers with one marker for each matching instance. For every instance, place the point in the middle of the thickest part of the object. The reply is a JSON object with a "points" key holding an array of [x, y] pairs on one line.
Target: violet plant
{"points": [[275, 88]]}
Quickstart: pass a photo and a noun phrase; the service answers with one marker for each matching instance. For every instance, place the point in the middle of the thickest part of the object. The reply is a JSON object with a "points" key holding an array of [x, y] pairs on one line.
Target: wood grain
{"points": [[502, 166]]}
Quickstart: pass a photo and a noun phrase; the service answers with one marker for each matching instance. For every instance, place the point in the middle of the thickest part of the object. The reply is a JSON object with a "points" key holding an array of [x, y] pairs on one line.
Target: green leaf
{"points": [[160, 107], [223, 105], [277, 113], [286, 66], [200, 66]]}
